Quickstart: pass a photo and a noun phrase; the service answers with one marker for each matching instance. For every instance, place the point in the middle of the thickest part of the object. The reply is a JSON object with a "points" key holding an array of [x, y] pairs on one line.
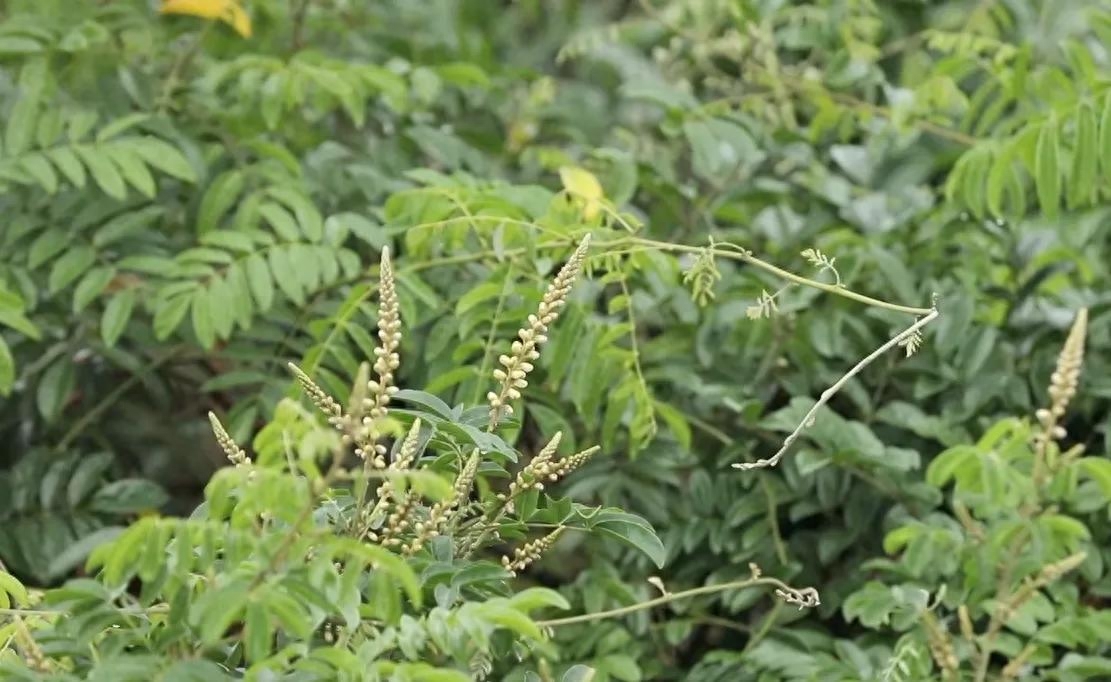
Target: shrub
{"points": [[307, 563]]}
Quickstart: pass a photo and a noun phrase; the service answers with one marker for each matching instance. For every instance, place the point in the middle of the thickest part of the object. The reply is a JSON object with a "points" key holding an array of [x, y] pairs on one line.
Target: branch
{"points": [[808, 420], [805, 598]]}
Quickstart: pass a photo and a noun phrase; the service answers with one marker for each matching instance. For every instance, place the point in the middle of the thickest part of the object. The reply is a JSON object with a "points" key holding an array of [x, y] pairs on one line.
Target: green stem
{"points": [[808, 598], [734, 252], [109, 400], [765, 627]]}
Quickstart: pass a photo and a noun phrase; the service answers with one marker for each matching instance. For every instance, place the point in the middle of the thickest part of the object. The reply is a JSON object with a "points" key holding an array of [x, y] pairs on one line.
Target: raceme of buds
{"points": [[235, 453], [530, 552], [515, 367], [386, 362]]}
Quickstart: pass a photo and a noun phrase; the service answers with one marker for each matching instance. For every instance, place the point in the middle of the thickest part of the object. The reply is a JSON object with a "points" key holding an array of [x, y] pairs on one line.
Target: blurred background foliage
{"points": [[189, 204]]}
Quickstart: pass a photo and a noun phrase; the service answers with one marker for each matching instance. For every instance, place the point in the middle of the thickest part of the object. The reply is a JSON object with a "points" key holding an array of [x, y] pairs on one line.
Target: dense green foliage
{"points": [[191, 203]]}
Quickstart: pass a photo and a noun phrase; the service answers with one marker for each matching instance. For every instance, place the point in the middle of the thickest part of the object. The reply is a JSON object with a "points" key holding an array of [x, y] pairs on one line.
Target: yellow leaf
{"points": [[584, 187], [227, 11]]}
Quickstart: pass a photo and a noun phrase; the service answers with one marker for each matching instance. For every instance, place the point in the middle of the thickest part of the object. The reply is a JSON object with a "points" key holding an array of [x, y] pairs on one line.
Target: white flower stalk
{"points": [[319, 397], [235, 454], [387, 491], [1066, 378], [536, 471], [1062, 388], [531, 552], [444, 510], [386, 362], [515, 367]]}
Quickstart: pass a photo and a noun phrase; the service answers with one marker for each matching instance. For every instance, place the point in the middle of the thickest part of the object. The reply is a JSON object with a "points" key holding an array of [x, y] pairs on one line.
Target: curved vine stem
{"points": [[806, 597], [832, 391]]}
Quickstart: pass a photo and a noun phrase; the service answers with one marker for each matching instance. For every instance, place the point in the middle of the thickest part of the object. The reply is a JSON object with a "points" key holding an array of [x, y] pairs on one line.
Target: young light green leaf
{"points": [[69, 267], [218, 199], [7, 369], [579, 673], [535, 598], [308, 217], [285, 275], [13, 317], [165, 157], [10, 586], [121, 125], [40, 169], [997, 177], [169, 314], [1105, 138], [258, 632], [132, 168], [69, 164], [262, 286], [1099, 470], [21, 117], [221, 611], [103, 170], [283, 223], [222, 307]]}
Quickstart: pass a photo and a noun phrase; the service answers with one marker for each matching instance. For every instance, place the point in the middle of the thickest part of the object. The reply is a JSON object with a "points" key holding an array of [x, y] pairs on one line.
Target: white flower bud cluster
{"points": [[544, 469], [398, 521], [537, 470], [324, 402], [235, 454], [1065, 379], [386, 362], [515, 367], [442, 511], [386, 491], [524, 556]]}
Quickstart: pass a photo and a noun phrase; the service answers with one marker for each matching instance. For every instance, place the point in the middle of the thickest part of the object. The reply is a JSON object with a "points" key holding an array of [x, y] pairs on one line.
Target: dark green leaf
{"points": [[116, 315]]}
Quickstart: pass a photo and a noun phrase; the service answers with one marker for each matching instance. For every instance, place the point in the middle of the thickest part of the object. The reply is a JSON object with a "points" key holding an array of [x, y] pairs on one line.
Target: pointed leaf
{"points": [[1085, 159], [1047, 169], [116, 315]]}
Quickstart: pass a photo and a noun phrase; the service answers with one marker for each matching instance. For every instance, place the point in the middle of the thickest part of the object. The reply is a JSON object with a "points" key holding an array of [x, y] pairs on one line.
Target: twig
{"points": [[109, 400], [735, 252], [765, 627], [804, 598], [299, 12], [184, 59], [832, 390]]}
